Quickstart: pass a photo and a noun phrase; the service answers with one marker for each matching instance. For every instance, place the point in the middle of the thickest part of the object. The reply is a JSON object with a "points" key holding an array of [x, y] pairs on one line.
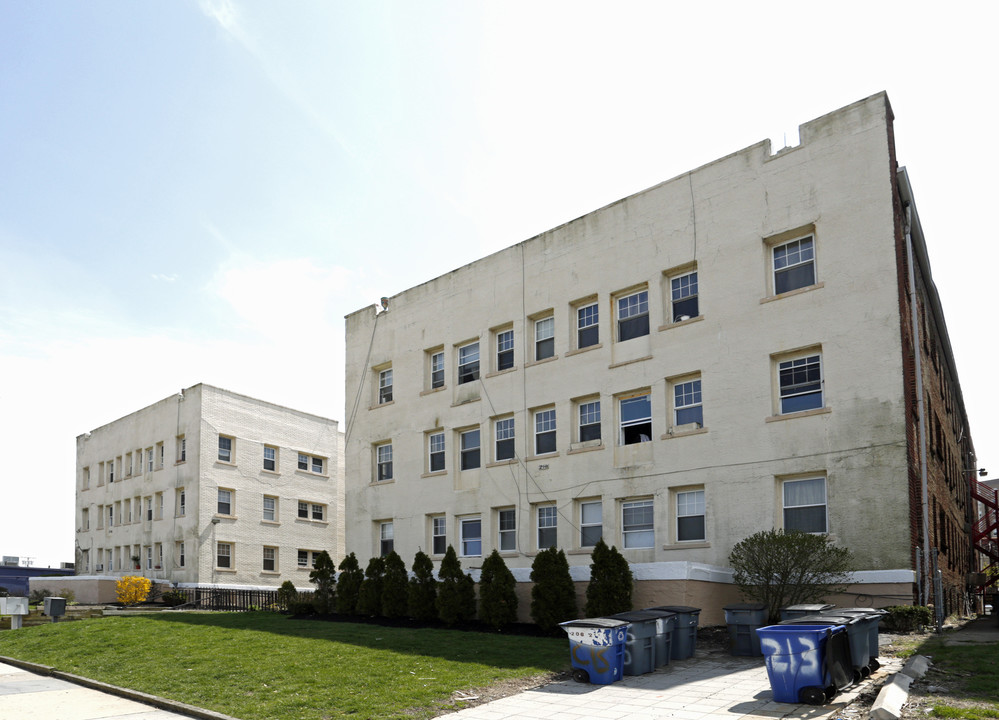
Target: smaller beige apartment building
{"points": [[209, 488]]}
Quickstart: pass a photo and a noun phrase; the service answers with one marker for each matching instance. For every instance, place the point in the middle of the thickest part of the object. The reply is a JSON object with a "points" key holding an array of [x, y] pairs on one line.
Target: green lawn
{"points": [[265, 666], [970, 674]]}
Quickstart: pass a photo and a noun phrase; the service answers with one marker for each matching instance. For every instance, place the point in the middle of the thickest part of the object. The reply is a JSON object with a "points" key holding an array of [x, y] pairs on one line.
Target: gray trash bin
{"points": [[665, 622], [743, 620], [871, 619], [795, 611], [640, 648], [684, 631]]}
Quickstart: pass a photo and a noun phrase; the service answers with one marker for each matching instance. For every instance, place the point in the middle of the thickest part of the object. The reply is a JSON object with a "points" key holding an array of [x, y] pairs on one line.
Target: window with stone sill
{"points": [[587, 325], [794, 265], [435, 452], [544, 338], [683, 297], [636, 418], [468, 363], [505, 439], [544, 432], [632, 315]]}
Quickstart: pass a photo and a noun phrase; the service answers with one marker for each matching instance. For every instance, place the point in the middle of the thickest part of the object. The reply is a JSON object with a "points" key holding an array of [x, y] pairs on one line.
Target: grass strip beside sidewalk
{"points": [[259, 666]]}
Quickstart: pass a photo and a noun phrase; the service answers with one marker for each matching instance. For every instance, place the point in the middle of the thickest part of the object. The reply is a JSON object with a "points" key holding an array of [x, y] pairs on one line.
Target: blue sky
{"points": [[200, 191]]}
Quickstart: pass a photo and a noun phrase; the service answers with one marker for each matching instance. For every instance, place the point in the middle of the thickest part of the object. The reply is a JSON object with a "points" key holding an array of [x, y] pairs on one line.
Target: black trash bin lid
{"points": [[823, 619], [660, 613], [746, 606], [854, 611], [637, 616], [678, 609]]}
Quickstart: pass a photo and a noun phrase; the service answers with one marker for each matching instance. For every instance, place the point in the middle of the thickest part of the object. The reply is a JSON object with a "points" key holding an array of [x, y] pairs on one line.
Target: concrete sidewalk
{"points": [[38, 694], [706, 687], [709, 686]]}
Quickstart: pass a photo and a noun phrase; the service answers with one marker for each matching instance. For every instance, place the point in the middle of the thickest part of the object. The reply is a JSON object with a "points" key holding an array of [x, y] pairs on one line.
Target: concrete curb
{"points": [[152, 700], [895, 692], [916, 666]]}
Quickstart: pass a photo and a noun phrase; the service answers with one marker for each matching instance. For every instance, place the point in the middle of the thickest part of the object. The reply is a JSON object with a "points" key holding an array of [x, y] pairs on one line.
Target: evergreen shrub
{"points": [[348, 585], [553, 597], [395, 586], [369, 598], [456, 591], [497, 593], [422, 591], [611, 582]]}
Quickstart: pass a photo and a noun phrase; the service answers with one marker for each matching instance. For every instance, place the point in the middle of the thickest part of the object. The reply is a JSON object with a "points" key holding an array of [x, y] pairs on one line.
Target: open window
{"points": [[799, 383], [468, 363], [636, 418]]}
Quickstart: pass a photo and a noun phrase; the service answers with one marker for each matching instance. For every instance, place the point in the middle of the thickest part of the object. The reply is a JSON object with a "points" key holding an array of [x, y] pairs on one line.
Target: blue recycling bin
{"points": [[640, 649], [806, 663], [871, 619], [856, 634], [684, 631], [796, 611], [743, 620], [596, 649]]}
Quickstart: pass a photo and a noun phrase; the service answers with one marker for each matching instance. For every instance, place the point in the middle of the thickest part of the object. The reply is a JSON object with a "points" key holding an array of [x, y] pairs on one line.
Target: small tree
{"points": [[394, 587], [132, 589], [286, 594], [348, 585], [553, 597], [323, 575], [369, 599], [497, 593], [422, 591], [609, 591], [788, 568], [456, 591]]}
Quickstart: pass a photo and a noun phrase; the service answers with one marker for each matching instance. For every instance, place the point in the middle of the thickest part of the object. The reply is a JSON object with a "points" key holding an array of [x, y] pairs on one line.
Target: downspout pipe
{"points": [[920, 405]]}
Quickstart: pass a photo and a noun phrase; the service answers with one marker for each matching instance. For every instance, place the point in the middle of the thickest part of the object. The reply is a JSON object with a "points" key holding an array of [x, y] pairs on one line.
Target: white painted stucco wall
{"points": [[837, 183]]}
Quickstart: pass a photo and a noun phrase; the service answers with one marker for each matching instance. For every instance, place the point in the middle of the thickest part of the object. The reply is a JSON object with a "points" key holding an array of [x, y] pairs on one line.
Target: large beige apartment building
{"points": [[754, 344], [209, 488]]}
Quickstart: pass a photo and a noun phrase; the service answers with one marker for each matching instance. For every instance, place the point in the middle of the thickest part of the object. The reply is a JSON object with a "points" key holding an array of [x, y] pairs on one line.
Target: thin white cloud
{"points": [[293, 295], [224, 13], [275, 69], [220, 237], [164, 278]]}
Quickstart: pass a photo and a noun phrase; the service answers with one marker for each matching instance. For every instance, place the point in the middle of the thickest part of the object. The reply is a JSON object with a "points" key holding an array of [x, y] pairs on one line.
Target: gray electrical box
{"points": [[55, 607]]}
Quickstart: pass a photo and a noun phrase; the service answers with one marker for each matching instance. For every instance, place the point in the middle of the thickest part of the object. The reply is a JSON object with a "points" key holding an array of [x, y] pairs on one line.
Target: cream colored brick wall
{"points": [[203, 414], [838, 185]]}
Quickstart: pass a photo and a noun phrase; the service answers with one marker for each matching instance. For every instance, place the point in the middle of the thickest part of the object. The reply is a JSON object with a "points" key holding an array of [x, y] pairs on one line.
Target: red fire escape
{"points": [[985, 530]]}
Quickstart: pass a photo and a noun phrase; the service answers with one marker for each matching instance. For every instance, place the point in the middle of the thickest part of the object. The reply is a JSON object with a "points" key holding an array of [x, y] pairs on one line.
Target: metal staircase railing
{"points": [[985, 530]]}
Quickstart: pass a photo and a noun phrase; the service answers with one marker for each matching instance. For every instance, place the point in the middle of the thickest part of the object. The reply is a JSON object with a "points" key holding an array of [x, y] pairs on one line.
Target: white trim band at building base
{"points": [[683, 570]]}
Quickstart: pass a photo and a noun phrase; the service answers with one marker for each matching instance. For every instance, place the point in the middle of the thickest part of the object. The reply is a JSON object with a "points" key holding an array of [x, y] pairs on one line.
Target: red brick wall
{"points": [[945, 421]]}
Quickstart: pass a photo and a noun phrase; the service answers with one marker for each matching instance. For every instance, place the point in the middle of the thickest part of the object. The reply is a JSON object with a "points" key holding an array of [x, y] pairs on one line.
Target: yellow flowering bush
{"points": [[132, 589]]}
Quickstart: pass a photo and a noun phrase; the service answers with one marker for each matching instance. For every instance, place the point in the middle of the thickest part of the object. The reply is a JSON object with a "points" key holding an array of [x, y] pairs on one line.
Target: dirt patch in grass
{"points": [[951, 688], [471, 697]]}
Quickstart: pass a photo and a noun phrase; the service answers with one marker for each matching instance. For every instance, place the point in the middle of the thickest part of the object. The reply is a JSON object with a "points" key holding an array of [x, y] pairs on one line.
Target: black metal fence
{"points": [[234, 600]]}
